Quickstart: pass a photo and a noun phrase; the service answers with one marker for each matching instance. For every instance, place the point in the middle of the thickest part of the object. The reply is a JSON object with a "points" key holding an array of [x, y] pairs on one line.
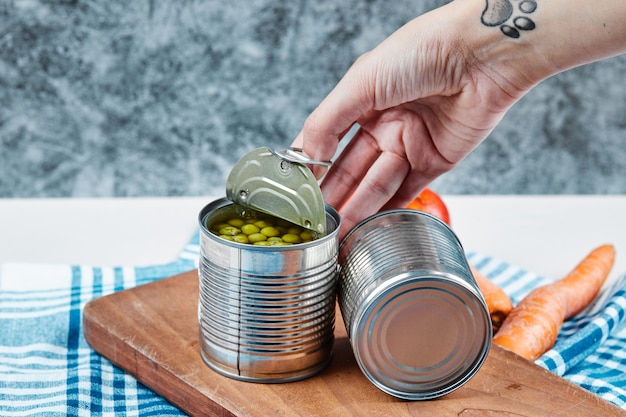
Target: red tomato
{"points": [[430, 202]]}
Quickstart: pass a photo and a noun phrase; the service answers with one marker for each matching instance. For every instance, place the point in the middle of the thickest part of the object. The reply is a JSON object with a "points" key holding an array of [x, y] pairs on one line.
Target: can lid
{"points": [[420, 337], [281, 186]]}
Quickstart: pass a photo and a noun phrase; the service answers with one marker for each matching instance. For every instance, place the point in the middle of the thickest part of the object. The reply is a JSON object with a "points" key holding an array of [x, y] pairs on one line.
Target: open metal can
{"points": [[417, 322], [266, 313]]}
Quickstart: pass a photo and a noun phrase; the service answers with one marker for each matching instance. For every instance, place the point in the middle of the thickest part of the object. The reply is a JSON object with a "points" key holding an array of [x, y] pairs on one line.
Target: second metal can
{"points": [[417, 322]]}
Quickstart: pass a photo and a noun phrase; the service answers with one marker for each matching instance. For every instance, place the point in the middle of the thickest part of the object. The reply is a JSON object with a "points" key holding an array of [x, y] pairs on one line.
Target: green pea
{"points": [[257, 237], [249, 229], [291, 238], [306, 236], [236, 222], [241, 238], [279, 243], [270, 231], [294, 230], [262, 243], [229, 230], [254, 228]]}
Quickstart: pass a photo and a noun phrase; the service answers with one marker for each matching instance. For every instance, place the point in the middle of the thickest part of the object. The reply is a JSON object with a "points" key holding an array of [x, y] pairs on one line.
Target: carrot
{"points": [[532, 327], [498, 302]]}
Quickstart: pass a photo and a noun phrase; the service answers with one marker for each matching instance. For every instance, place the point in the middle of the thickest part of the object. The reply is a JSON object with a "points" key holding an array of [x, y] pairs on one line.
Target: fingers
{"points": [[349, 169], [358, 194], [410, 188]]}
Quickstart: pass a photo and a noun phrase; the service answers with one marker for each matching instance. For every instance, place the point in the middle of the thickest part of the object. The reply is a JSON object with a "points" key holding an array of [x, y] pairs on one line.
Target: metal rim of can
{"points": [[331, 213]]}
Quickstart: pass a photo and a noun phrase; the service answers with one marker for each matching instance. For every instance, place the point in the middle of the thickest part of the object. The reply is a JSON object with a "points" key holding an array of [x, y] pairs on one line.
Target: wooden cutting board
{"points": [[151, 331]]}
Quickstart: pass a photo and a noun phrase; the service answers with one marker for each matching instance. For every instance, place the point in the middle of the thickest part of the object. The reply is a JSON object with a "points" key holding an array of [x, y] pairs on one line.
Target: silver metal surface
{"points": [[266, 313], [417, 322], [297, 155], [283, 188]]}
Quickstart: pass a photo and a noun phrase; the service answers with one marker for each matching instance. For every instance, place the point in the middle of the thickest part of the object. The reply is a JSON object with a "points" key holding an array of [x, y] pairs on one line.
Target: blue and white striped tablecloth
{"points": [[47, 368]]}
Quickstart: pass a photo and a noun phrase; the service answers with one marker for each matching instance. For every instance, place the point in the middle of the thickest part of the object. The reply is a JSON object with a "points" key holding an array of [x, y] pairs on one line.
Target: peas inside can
{"points": [[248, 226]]}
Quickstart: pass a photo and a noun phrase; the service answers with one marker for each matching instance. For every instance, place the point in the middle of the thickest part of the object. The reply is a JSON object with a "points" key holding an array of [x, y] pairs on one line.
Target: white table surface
{"points": [[544, 234]]}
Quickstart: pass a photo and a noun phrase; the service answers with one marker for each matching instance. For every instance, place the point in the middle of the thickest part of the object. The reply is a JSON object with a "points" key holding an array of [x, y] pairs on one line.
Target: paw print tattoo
{"points": [[500, 13]]}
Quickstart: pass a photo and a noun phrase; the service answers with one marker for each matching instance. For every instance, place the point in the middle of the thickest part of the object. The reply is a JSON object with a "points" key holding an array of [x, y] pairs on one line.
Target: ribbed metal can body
{"points": [[267, 313], [417, 322]]}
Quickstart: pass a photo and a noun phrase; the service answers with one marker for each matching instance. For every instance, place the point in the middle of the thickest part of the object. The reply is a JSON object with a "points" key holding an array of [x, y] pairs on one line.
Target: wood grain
{"points": [[151, 331]]}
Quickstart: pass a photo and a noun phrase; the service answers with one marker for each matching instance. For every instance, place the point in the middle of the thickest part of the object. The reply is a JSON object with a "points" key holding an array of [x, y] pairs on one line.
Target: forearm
{"points": [[539, 38], [579, 31]]}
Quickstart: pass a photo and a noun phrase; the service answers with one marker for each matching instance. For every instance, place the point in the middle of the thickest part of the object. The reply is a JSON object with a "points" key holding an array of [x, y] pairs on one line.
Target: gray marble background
{"points": [[161, 97]]}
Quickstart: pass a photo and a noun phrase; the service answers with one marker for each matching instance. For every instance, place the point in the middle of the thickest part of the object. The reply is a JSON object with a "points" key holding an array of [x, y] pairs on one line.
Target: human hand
{"points": [[423, 99]]}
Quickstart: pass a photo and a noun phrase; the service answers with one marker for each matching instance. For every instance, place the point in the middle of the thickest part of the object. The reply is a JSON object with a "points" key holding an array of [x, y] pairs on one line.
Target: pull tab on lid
{"points": [[278, 186]]}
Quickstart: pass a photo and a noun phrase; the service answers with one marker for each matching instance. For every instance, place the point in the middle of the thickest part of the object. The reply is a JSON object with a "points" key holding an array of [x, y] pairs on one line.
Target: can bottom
{"points": [[421, 337], [275, 378]]}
